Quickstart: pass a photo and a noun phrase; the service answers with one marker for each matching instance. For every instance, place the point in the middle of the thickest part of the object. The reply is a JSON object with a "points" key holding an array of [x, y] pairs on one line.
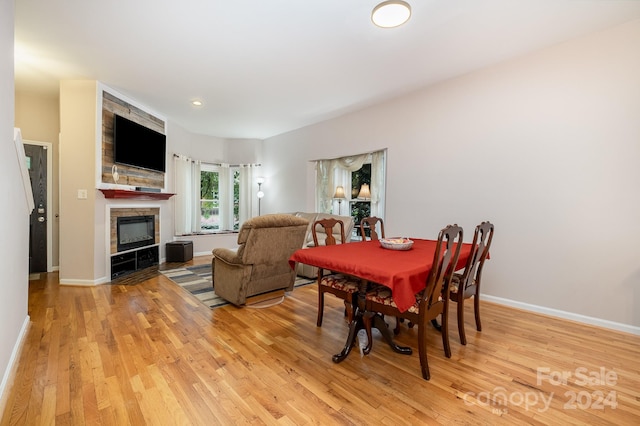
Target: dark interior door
{"points": [[37, 165]]}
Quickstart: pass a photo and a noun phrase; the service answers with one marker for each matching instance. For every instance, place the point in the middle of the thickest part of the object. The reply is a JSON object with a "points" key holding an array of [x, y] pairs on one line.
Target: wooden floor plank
{"points": [[142, 350]]}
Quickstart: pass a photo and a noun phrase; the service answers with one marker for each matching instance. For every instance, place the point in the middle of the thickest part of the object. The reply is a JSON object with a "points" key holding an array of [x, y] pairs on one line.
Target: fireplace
{"points": [[135, 231]]}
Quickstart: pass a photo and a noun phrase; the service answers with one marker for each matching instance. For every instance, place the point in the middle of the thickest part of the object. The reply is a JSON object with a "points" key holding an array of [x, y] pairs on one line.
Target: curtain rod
{"points": [[220, 164], [346, 156]]}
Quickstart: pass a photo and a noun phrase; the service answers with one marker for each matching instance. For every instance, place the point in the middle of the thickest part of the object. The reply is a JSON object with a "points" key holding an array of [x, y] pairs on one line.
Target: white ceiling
{"points": [[265, 67]]}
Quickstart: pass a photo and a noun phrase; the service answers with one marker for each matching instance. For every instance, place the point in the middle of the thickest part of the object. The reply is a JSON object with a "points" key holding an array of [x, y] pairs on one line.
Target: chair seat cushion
{"points": [[340, 282], [456, 279], [382, 295]]}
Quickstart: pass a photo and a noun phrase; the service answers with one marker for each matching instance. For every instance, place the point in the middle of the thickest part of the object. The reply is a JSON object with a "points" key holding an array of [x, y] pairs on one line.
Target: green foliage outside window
{"points": [[209, 204], [236, 200], [360, 209]]}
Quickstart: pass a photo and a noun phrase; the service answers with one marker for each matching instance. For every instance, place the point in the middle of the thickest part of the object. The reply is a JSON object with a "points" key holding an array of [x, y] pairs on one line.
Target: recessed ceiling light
{"points": [[196, 103], [389, 14]]}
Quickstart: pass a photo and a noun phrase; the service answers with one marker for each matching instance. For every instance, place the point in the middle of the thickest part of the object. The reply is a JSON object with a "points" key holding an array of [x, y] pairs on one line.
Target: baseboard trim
{"points": [[563, 314], [10, 373], [79, 283]]}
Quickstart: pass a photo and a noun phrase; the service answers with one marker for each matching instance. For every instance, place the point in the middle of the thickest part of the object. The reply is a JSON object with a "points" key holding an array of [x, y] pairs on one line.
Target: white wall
{"points": [[201, 147], [546, 147], [14, 226], [243, 151], [81, 225]]}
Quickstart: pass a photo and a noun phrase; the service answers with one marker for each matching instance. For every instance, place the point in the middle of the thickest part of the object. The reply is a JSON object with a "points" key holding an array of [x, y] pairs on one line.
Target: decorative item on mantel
{"points": [[114, 174]]}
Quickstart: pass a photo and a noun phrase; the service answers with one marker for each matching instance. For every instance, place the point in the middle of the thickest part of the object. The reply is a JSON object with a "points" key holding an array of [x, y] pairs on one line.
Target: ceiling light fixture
{"points": [[390, 14], [196, 103]]}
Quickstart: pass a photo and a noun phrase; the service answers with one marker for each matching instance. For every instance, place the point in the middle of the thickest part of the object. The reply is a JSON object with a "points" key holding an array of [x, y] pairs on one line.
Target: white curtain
{"points": [[353, 162], [378, 182], [248, 174], [187, 198], [225, 193], [324, 186]]}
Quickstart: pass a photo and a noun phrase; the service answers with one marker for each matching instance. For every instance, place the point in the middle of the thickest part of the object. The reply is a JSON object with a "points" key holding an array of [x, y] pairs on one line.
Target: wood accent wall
{"points": [[133, 176], [115, 213]]}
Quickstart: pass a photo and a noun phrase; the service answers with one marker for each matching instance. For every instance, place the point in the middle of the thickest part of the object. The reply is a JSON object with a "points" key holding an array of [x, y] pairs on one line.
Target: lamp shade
{"points": [[364, 191], [339, 193]]}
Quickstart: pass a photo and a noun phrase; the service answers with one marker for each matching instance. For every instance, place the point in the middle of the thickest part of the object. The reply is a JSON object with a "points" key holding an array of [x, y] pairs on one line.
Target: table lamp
{"points": [[364, 193]]}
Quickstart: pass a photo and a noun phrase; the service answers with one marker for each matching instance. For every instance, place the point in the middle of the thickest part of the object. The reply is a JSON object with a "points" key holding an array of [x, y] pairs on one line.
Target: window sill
{"points": [[207, 233]]}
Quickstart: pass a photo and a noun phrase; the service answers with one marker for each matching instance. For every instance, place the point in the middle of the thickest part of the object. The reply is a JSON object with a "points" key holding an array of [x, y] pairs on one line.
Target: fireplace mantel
{"points": [[138, 195]]}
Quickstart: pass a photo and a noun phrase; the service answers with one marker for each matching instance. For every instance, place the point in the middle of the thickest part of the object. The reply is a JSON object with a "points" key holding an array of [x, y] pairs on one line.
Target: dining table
{"points": [[405, 272]]}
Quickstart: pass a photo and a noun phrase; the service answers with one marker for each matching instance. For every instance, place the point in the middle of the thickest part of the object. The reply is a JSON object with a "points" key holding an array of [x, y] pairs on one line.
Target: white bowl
{"points": [[396, 243]]}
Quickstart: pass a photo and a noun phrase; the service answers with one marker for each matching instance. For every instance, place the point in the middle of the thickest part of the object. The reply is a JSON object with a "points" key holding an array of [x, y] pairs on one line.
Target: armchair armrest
{"points": [[229, 256]]}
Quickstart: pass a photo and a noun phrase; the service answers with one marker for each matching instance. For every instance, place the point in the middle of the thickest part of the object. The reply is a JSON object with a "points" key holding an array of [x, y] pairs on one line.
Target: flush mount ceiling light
{"points": [[196, 102], [390, 14]]}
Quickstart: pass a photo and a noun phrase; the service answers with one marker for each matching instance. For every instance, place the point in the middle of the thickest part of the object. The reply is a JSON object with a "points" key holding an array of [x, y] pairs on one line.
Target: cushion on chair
{"points": [[382, 295], [456, 279], [265, 221], [340, 282]]}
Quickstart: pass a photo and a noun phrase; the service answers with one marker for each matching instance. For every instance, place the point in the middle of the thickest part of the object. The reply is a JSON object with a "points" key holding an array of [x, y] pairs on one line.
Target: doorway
{"points": [[38, 157]]}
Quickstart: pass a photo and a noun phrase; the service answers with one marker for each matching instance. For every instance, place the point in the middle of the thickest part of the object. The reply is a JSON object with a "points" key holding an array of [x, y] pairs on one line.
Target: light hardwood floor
{"points": [[150, 353]]}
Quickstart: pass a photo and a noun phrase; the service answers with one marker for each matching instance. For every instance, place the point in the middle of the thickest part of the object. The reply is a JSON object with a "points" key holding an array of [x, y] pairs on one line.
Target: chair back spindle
{"points": [[371, 223], [444, 261], [328, 226]]}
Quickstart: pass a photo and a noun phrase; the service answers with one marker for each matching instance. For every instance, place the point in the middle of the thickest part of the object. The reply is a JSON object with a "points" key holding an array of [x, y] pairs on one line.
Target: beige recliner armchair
{"points": [[261, 262]]}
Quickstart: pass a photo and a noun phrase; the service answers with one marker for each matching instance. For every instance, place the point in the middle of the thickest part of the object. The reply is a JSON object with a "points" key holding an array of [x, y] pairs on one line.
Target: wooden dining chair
{"points": [[431, 302], [371, 223], [340, 285], [467, 284]]}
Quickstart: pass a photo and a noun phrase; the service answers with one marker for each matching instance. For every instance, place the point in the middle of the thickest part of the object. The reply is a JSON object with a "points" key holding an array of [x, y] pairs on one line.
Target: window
{"points": [[212, 184], [360, 195], [209, 201], [212, 197], [364, 174]]}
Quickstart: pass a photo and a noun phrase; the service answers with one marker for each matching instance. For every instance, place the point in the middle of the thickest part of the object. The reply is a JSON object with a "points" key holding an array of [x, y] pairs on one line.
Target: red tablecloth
{"points": [[404, 272]]}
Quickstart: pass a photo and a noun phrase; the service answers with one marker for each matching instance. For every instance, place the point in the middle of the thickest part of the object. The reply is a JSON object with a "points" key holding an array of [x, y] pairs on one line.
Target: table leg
{"points": [[355, 326], [367, 320], [381, 325], [435, 324]]}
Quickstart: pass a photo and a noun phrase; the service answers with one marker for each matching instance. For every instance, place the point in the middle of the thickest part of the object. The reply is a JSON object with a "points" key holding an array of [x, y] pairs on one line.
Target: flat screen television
{"points": [[137, 145]]}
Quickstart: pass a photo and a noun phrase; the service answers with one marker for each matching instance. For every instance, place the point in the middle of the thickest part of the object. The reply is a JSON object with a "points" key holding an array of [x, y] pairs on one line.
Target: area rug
{"points": [[197, 281]]}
